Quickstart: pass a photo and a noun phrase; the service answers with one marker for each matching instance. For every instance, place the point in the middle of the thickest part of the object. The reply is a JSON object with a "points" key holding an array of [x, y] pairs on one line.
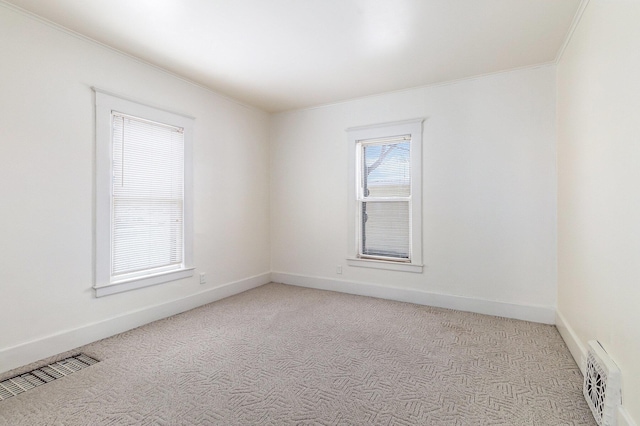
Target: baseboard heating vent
{"points": [[602, 388], [34, 378]]}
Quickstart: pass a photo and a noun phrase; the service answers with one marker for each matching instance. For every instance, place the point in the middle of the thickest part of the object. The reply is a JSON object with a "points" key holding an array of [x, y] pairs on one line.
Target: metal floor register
{"points": [[34, 378]]}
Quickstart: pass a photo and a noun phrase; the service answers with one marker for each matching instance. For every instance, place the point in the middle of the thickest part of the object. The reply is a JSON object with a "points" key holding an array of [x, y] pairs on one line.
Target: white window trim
{"points": [[379, 131], [105, 104]]}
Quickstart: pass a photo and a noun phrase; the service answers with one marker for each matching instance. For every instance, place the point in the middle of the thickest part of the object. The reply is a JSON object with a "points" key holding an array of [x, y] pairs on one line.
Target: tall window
{"points": [[384, 198], [385, 218], [143, 196]]}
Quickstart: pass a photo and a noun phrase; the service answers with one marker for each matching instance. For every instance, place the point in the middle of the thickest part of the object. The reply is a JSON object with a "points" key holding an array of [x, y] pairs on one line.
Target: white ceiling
{"points": [[285, 54]]}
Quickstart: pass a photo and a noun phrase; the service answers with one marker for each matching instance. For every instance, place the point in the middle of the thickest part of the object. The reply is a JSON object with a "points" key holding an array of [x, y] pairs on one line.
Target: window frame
{"points": [[104, 284], [369, 134]]}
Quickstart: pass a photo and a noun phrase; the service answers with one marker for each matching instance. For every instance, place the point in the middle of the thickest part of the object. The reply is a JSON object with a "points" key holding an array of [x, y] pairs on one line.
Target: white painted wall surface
{"points": [[47, 146], [489, 199], [598, 187]]}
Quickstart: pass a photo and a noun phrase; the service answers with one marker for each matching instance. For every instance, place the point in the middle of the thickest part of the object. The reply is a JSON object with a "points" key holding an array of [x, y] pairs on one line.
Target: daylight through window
{"points": [[385, 218], [385, 198], [143, 203]]}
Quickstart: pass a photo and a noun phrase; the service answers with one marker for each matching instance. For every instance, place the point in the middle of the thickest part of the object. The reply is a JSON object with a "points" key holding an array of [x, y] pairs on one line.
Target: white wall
{"points": [[489, 195], [599, 188], [47, 146]]}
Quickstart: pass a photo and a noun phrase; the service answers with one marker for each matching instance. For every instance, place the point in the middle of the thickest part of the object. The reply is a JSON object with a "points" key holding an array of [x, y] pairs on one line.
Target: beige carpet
{"points": [[287, 355]]}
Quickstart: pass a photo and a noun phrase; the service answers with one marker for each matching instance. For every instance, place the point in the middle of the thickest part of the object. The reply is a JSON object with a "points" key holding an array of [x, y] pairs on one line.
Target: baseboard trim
{"points": [[541, 314], [35, 350], [624, 419], [577, 349], [579, 353]]}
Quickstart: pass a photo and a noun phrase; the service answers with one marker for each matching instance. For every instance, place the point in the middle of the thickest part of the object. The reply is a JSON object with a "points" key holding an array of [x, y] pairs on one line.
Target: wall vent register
{"points": [[602, 387]]}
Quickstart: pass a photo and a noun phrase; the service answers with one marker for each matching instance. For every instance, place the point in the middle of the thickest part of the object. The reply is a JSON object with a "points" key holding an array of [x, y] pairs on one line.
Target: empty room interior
{"points": [[320, 212]]}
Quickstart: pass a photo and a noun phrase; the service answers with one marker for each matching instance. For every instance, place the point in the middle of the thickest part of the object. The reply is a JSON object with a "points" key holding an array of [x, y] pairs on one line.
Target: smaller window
{"points": [[143, 206], [385, 203], [384, 198]]}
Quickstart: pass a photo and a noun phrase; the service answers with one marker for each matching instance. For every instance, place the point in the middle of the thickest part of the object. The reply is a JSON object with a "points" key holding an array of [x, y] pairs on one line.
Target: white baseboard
{"points": [[579, 353], [542, 314], [624, 419], [577, 349], [35, 350]]}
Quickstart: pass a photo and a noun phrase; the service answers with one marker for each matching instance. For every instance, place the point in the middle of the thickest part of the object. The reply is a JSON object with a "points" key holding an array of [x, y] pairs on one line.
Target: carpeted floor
{"points": [[280, 355]]}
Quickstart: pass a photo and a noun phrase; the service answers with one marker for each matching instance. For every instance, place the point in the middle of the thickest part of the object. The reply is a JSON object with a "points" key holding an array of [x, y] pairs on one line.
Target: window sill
{"points": [[382, 264], [134, 283]]}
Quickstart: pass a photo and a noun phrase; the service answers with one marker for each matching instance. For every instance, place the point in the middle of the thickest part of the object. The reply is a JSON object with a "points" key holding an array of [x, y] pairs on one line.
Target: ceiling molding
{"points": [[95, 42], [276, 90], [574, 24], [424, 86]]}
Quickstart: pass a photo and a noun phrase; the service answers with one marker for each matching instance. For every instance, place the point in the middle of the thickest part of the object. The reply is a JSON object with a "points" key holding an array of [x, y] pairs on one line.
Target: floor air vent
{"points": [[40, 376], [601, 385]]}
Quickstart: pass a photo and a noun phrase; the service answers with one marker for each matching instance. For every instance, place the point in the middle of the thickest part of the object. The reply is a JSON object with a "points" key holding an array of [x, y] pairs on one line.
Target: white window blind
{"points": [[147, 224], [384, 196]]}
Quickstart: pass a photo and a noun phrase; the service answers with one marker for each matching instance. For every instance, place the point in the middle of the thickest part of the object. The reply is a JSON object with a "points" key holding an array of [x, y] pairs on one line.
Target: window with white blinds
{"points": [[385, 198], [386, 201], [148, 205], [143, 206]]}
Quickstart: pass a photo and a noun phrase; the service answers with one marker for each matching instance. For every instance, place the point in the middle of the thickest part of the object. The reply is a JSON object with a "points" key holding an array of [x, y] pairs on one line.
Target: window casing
{"points": [[385, 202], [143, 195]]}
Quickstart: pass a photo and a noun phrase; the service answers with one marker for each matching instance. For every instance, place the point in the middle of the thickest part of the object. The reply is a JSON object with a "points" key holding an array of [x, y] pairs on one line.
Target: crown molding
{"points": [[574, 24]]}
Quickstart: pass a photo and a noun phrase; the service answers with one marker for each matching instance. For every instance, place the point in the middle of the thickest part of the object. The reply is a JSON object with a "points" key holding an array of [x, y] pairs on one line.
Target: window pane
{"points": [[385, 229], [386, 170], [147, 234], [148, 191]]}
